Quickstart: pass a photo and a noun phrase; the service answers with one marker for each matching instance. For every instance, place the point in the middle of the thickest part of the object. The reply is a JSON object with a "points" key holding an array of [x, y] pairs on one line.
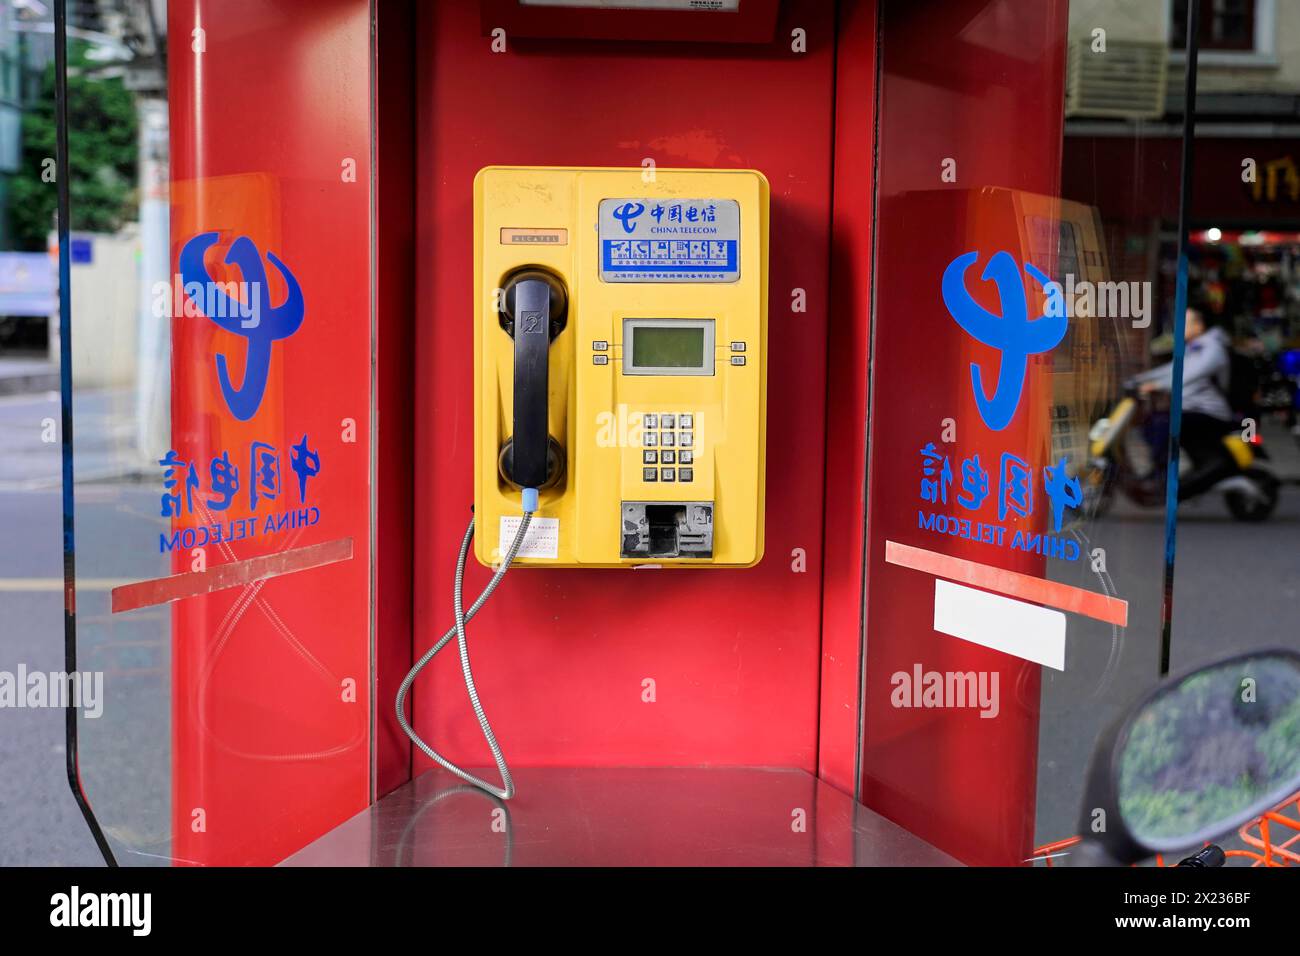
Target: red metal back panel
{"points": [[560, 656]]}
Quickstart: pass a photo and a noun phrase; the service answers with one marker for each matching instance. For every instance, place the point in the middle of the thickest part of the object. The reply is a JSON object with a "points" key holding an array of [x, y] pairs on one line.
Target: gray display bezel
{"points": [[708, 325]]}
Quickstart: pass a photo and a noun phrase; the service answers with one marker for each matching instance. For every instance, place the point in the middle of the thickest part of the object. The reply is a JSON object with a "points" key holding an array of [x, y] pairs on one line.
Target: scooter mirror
{"points": [[1211, 751], [1200, 755]]}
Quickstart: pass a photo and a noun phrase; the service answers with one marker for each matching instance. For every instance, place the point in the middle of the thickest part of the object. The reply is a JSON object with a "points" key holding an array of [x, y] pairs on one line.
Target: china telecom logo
{"points": [[254, 320], [627, 215], [1012, 332]]}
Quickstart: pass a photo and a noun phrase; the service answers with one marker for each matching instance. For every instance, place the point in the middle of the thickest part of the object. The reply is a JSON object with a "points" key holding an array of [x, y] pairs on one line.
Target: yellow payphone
{"points": [[620, 337]]}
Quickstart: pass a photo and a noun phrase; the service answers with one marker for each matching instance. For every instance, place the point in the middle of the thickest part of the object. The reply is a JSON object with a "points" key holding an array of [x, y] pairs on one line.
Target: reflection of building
{"points": [[1125, 114]]}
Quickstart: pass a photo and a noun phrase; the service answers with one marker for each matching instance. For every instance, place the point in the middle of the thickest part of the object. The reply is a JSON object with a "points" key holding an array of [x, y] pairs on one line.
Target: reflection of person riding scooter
{"points": [[1221, 459]]}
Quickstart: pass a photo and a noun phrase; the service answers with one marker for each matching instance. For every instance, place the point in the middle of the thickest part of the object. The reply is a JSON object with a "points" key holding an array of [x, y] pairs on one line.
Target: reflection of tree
{"points": [[1201, 753], [102, 153]]}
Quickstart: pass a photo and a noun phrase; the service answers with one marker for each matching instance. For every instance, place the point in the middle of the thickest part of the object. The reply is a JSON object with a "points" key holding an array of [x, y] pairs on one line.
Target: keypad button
{"points": [[649, 474], [600, 360], [650, 421], [667, 439], [667, 474], [669, 421], [649, 439], [666, 457], [685, 457], [738, 360], [685, 439], [686, 474], [685, 421], [649, 457]]}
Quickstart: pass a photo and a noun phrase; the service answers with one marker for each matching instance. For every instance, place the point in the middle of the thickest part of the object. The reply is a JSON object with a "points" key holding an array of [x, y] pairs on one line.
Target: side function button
{"points": [[738, 347], [600, 346], [600, 360]]}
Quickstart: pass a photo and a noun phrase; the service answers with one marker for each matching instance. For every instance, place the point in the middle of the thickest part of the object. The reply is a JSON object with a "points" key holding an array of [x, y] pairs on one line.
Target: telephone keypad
{"points": [[664, 433]]}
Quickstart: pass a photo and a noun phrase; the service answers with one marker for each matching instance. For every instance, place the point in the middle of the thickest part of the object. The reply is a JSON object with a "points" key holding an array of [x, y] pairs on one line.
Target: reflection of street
{"points": [[125, 753], [1236, 587]]}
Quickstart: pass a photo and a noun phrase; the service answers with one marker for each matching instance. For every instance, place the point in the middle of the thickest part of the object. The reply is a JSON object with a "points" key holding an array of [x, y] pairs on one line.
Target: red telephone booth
{"points": [[921, 462]]}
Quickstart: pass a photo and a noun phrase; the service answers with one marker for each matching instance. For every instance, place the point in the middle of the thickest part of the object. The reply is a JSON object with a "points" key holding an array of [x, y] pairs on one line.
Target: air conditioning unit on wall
{"points": [[1127, 81]]}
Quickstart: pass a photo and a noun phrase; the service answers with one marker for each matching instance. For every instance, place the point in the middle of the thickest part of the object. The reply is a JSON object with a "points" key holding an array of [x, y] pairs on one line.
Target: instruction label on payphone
{"points": [[674, 240]]}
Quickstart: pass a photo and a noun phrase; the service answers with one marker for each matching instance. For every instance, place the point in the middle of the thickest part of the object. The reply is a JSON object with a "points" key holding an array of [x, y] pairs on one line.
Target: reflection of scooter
{"points": [[1120, 460], [1196, 758]]}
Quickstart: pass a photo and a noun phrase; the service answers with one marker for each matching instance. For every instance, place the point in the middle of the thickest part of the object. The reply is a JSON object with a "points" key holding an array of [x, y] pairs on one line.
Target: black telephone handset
{"points": [[534, 307]]}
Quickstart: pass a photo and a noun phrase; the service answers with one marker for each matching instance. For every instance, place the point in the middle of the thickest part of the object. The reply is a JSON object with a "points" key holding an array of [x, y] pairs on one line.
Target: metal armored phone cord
{"points": [[507, 790]]}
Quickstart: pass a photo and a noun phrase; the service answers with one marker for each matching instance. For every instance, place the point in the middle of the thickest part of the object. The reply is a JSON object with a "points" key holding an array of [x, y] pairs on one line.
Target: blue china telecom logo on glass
{"points": [[250, 476], [1011, 331], [1009, 479], [255, 321]]}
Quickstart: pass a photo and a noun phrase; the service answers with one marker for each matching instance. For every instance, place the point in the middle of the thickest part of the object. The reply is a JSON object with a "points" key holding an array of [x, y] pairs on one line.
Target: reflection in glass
{"points": [[1219, 744]]}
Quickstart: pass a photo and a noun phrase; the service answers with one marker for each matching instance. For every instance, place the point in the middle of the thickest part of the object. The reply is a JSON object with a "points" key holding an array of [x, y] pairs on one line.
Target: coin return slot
{"points": [[682, 529]]}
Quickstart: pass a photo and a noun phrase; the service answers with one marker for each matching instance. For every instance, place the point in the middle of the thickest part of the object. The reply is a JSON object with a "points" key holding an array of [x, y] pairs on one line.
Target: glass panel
{"points": [[1123, 113], [1236, 586], [1017, 527], [221, 366], [40, 824]]}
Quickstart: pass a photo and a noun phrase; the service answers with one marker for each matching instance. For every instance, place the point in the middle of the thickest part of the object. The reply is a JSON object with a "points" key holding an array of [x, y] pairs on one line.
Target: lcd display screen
{"points": [[664, 346]]}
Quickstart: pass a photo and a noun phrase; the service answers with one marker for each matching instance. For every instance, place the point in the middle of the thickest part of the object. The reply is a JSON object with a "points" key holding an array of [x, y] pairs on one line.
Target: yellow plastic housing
{"points": [[550, 218]]}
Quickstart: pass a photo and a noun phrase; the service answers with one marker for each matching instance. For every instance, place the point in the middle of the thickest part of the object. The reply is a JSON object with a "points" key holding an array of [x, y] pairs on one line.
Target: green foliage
{"points": [[102, 148]]}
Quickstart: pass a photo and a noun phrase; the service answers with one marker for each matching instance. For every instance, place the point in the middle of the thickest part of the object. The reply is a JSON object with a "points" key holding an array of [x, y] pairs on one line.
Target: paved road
{"points": [[124, 752]]}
